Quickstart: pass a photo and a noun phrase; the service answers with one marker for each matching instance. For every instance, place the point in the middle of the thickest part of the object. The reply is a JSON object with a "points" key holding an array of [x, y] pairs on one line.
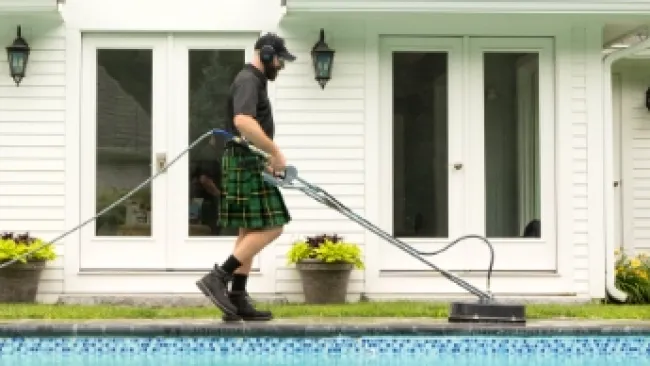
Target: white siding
{"points": [[32, 153], [635, 155], [322, 134], [578, 121]]}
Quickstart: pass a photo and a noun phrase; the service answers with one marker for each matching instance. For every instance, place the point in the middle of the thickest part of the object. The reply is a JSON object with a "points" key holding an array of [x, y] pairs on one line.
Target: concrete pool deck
{"points": [[302, 327]]}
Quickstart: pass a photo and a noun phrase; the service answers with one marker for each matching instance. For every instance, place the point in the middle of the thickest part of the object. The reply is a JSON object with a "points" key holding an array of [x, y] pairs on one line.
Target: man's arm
{"points": [[206, 173], [208, 185], [244, 98]]}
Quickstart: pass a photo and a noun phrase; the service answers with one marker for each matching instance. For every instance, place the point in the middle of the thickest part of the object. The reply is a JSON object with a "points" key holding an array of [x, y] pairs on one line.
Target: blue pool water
{"points": [[334, 351]]}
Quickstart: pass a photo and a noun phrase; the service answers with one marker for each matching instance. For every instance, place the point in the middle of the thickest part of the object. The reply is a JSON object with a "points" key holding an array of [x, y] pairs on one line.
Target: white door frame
{"points": [[109, 253], [466, 110]]}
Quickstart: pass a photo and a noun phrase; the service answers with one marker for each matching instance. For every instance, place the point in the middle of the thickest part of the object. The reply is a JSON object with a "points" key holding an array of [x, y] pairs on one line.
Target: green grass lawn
{"points": [[361, 310]]}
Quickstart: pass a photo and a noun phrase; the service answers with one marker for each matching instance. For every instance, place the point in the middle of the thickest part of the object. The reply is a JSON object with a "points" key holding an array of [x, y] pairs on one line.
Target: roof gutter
{"points": [[608, 119]]}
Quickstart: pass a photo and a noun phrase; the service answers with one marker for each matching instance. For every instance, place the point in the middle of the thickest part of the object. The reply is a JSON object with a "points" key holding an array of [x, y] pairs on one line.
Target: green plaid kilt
{"points": [[247, 201]]}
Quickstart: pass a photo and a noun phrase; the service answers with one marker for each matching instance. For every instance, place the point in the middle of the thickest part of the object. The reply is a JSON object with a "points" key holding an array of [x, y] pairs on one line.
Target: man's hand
{"points": [[277, 163]]}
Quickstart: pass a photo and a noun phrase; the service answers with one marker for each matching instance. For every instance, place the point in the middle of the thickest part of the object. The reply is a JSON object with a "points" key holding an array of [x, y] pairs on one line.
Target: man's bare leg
{"points": [[246, 265], [253, 242]]}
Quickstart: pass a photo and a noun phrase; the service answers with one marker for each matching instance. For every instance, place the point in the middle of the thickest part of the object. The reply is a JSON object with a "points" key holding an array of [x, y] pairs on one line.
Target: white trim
{"points": [[72, 242], [154, 282], [491, 7], [372, 206], [564, 217], [595, 158]]}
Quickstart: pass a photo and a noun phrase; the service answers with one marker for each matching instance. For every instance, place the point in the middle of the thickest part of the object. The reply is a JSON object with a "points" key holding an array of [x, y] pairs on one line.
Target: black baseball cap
{"points": [[278, 44]]}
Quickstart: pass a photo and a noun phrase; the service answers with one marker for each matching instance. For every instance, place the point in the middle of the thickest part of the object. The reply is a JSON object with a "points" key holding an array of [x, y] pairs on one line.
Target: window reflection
{"points": [[210, 74], [420, 193], [123, 156]]}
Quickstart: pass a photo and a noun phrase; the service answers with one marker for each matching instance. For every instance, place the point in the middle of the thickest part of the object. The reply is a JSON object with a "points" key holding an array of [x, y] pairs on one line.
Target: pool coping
{"points": [[316, 327]]}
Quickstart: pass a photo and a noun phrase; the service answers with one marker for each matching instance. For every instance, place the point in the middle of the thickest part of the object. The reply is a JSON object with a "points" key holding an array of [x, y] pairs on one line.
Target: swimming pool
{"points": [[337, 350]]}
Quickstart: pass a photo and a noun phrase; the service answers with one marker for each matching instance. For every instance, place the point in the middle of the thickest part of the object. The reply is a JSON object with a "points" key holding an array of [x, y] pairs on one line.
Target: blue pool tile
{"points": [[632, 345]]}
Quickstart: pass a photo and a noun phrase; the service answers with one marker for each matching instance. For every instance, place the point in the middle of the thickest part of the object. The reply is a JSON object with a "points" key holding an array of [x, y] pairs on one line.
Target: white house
{"points": [[442, 118]]}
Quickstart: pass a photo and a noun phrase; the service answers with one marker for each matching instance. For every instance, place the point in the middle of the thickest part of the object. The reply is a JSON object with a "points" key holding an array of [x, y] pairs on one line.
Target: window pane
{"points": [[512, 184], [420, 161], [210, 75], [124, 86]]}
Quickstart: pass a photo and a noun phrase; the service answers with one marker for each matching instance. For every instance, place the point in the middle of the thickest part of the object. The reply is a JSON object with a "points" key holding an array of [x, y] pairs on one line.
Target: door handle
{"points": [[161, 162], [458, 166]]}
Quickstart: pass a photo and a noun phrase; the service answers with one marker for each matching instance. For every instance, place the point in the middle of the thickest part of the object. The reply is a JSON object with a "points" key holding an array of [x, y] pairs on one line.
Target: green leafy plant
{"points": [[13, 246], [325, 248], [633, 277]]}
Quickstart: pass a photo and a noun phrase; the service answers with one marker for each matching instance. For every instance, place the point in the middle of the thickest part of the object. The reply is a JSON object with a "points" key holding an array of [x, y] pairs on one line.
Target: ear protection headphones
{"points": [[267, 52]]}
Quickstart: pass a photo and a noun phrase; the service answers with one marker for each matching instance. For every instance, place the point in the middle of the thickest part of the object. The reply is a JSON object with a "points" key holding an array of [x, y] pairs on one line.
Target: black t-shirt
{"points": [[248, 95]]}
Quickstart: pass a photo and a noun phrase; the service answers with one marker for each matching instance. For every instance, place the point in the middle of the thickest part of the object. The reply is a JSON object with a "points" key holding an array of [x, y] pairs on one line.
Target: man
{"points": [[248, 203]]}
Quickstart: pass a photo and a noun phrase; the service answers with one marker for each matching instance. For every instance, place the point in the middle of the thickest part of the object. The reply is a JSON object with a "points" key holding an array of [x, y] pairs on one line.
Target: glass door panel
{"points": [[424, 139], [511, 134]]}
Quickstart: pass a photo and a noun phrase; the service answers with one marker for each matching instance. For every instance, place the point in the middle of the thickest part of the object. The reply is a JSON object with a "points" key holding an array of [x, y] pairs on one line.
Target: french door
{"points": [[145, 99], [468, 139]]}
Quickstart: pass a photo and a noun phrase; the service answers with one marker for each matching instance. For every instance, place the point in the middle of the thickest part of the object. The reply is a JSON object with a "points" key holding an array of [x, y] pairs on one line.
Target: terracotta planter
{"points": [[19, 282], [324, 283]]}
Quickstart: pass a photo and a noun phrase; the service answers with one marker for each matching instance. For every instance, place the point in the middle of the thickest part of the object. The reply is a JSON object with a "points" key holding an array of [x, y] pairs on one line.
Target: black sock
{"points": [[239, 282], [230, 265]]}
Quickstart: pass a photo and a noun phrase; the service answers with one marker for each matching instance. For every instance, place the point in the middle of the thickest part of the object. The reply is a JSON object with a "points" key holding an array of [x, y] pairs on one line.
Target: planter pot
{"points": [[324, 283], [19, 282]]}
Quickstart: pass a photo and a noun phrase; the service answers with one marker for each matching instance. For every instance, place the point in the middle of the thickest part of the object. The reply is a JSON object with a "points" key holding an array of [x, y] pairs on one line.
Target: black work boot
{"points": [[214, 285], [245, 309]]}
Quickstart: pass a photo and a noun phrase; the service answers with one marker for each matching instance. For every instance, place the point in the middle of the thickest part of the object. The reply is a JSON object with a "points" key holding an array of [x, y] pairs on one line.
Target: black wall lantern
{"points": [[323, 58], [647, 99], [17, 54]]}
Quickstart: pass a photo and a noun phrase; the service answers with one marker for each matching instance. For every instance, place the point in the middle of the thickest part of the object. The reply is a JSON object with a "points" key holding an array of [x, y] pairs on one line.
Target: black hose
{"points": [[330, 201]]}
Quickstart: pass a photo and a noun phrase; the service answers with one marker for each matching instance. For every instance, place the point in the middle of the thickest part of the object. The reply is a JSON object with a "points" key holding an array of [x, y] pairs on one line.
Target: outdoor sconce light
{"points": [[323, 57], [647, 99], [17, 54]]}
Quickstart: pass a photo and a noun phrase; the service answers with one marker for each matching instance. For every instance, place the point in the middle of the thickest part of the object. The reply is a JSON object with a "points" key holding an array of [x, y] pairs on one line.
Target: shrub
{"points": [[633, 277], [13, 246], [326, 248]]}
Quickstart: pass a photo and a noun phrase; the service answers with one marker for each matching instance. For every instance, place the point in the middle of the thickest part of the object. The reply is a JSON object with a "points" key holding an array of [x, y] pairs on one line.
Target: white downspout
{"points": [[608, 119]]}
